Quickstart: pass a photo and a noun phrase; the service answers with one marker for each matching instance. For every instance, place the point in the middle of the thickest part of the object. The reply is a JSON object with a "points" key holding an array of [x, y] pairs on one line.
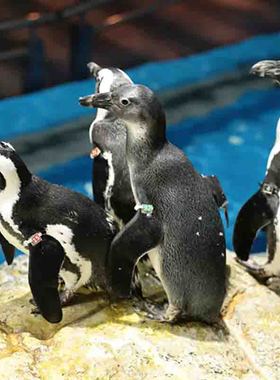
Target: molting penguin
{"points": [[262, 211], [111, 182], [177, 221], [66, 234]]}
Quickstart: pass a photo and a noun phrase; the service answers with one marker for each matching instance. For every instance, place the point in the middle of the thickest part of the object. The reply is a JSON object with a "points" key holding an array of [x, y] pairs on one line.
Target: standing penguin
{"points": [[262, 211], [111, 182], [66, 233], [107, 134], [177, 221]]}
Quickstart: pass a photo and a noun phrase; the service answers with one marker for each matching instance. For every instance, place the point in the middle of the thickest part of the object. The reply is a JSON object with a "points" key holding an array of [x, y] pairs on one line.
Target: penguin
{"points": [[65, 233], [107, 134], [177, 220], [262, 212], [110, 176], [267, 68]]}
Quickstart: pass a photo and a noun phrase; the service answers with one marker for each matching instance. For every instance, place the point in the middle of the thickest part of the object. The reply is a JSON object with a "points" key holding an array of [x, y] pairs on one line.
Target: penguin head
{"points": [[108, 79], [267, 68], [13, 171], [136, 105]]}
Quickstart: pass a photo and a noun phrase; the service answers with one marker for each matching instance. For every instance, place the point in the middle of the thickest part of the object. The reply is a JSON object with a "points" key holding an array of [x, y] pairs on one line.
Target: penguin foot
{"points": [[273, 283], [173, 314], [32, 302], [254, 268], [149, 310], [35, 311], [66, 296]]}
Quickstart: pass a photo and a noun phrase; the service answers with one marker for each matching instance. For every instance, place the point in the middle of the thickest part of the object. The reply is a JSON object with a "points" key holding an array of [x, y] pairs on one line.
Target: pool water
{"points": [[232, 142]]}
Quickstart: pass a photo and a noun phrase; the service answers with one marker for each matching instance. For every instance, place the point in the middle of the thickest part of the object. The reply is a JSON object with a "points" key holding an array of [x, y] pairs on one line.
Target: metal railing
{"points": [[34, 51]]}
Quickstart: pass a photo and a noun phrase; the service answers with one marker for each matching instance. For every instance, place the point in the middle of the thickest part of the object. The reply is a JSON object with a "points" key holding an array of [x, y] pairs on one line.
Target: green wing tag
{"points": [[145, 208]]}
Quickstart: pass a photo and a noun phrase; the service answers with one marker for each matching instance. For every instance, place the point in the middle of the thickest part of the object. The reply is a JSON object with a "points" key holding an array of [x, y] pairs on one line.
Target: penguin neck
{"points": [[15, 178], [143, 143]]}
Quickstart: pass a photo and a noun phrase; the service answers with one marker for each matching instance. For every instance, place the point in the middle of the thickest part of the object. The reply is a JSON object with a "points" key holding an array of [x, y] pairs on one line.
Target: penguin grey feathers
{"points": [[177, 222]]}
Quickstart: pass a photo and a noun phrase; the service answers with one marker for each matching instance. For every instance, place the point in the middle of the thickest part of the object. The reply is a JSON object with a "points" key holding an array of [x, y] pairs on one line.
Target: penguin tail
{"points": [[258, 212]]}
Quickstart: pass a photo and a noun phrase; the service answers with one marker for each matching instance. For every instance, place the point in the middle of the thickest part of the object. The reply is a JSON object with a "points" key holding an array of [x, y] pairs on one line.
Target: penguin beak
{"points": [[94, 68], [103, 100]]}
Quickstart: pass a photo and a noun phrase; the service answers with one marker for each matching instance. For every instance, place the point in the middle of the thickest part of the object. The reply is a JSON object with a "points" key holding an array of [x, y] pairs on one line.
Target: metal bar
{"points": [[13, 54], [128, 16], [51, 16]]}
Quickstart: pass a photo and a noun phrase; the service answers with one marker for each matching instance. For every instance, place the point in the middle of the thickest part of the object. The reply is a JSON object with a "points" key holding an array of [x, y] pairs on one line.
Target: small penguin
{"points": [[267, 68], [66, 233], [262, 211], [177, 220], [111, 182]]}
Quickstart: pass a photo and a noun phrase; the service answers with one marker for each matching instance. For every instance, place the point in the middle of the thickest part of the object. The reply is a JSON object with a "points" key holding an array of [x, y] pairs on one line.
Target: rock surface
{"points": [[96, 340]]}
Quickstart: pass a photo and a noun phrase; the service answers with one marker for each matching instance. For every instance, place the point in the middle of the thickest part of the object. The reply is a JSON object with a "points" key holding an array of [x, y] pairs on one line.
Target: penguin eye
{"points": [[125, 102], [2, 182]]}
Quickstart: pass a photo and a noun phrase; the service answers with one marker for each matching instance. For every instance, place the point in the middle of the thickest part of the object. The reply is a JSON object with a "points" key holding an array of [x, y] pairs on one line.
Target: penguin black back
{"points": [[51, 223]]}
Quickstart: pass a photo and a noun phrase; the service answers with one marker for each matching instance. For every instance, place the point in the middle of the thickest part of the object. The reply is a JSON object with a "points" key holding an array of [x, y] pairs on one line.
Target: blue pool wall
{"points": [[214, 142]]}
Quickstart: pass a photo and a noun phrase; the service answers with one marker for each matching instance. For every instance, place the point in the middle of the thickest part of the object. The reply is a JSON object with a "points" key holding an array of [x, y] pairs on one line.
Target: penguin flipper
{"points": [[218, 194], [258, 212], [139, 236], [45, 262], [8, 250]]}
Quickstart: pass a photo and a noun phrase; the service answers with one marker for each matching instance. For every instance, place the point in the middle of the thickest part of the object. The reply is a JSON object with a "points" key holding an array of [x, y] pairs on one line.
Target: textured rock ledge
{"points": [[100, 341]]}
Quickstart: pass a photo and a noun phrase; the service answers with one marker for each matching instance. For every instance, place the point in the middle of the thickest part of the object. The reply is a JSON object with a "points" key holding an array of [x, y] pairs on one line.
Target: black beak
{"points": [[103, 100], [44, 265], [94, 68]]}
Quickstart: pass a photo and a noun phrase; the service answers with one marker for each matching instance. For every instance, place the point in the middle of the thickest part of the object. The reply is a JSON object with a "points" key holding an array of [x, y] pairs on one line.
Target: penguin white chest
{"points": [[273, 268], [12, 239], [8, 199], [64, 235], [109, 190]]}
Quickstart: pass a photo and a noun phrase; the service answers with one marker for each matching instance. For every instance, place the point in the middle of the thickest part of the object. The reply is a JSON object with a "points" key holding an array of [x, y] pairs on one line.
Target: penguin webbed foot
{"points": [[35, 310], [257, 270], [66, 296], [149, 310], [273, 283]]}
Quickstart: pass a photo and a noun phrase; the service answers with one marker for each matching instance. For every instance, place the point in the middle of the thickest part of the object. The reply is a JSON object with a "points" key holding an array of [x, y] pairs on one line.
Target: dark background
{"points": [[122, 33]]}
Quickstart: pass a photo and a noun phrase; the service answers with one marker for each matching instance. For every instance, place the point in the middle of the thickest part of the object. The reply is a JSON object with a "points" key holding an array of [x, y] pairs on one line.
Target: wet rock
{"points": [[96, 340]]}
